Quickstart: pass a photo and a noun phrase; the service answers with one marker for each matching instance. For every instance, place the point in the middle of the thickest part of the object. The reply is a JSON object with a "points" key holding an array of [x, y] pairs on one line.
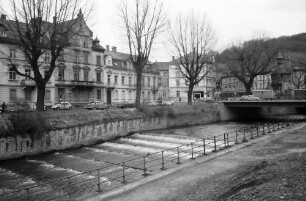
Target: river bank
{"points": [[268, 168]]}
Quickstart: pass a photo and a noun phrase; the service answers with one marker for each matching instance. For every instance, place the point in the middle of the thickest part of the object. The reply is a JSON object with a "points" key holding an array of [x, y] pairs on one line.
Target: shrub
{"points": [[23, 122]]}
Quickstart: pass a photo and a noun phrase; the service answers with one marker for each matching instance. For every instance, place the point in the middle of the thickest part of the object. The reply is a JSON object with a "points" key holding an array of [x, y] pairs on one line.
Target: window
{"points": [[98, 76], [149, 81], [116, 79], [159, 81], [130, 95], [130, 81], [178, 94], [123, 80], [76, 56], [177, 83], [3, 33], [27, 73], [47, 57], [154, 82], [99, 94], [116, 94], [143, 81], [108, 79], [85, 56], [123, 95], [13, 95], [12, 73], [12, 53], [76, 74], [61, 74], [149, 95], [85, 44], [98, 60], [47, 95], [85, 75]]}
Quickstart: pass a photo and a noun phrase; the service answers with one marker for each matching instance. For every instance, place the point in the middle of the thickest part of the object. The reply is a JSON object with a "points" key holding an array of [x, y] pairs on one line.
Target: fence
{"points": [[101, 180]]}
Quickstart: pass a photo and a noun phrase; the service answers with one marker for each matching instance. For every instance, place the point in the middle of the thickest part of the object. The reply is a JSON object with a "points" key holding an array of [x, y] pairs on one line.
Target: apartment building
{"points": [[120, 77], [178, 87], [85, 71]]}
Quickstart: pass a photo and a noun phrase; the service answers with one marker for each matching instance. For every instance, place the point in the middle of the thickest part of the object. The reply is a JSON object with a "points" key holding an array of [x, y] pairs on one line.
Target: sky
{"points": [[231, 19]]}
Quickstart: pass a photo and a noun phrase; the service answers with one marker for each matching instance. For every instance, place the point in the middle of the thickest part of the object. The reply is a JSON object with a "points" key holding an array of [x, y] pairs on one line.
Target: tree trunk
{"points": [[248, 89], [138, 89], [190, 92], [41, 88]]}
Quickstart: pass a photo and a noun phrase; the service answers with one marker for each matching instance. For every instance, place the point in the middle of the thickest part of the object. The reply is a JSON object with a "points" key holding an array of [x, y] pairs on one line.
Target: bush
{"points": [[22, 123]]}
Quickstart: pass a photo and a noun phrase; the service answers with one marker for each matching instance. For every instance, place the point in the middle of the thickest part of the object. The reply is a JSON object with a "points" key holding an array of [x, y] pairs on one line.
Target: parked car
{"points": [[250, 98], [96, 105], [153, 104], [62, 106], [167, 102], [125, 105]]}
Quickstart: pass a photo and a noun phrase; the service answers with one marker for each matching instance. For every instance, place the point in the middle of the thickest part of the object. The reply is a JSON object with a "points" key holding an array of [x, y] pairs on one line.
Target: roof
{"points": [[118, 55], [162, 66]]}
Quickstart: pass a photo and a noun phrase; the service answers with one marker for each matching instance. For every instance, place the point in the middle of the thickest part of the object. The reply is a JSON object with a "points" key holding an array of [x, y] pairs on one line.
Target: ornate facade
{"points": [[84, 72]]}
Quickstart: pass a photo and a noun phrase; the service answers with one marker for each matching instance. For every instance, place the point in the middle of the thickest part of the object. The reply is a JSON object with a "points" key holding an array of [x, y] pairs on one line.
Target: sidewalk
{"points": [[271, 167]]}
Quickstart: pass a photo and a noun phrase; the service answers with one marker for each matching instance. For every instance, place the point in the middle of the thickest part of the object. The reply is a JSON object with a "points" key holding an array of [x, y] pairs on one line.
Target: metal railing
{"points": [[113, 175]]}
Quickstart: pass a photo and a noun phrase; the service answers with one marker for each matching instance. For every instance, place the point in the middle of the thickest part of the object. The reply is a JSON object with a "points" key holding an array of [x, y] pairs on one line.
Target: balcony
{"points": [[28, 83], [110, 85], [83, 84]]}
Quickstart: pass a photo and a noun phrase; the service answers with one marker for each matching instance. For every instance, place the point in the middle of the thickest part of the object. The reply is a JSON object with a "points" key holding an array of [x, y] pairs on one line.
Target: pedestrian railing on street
{"points": [[102, 179]]}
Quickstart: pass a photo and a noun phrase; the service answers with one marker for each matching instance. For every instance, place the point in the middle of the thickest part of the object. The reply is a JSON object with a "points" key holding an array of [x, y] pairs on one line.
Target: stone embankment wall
{"points": [[15, 147]]}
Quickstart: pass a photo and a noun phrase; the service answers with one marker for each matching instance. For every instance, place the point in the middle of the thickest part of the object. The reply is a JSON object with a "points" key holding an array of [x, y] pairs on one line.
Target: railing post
{"points": [[224, 139], [244, 139], [69, 189], [28, 194], [269, 131], [215, 144], [252, 134], [278, 125], [123, 173], [236, 140], [204, 146], [163, 162], [257, 133], [144, 167], [99, 181], [227, 138], [191, 145], [178, 156], [263, 128]]}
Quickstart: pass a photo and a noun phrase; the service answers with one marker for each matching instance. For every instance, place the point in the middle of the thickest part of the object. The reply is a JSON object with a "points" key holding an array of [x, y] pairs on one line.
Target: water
{"points": [[50, 171]]}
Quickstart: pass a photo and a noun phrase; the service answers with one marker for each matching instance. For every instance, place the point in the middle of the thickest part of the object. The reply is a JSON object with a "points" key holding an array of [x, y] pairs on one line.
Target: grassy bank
{"points": [[31, 122]]}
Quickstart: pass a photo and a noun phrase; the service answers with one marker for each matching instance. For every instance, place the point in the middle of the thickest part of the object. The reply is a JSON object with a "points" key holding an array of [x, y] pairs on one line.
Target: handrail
{"points": [[142, 163]]}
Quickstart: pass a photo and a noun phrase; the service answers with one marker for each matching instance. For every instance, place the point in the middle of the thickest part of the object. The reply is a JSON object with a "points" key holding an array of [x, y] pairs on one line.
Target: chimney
{"points": [[107, 48], [173, 58], [3, 17], [114, 49]]}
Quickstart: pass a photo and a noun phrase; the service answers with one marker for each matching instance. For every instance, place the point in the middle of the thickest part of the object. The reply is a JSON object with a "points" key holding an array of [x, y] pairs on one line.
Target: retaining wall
{"points": [[15, 147]]}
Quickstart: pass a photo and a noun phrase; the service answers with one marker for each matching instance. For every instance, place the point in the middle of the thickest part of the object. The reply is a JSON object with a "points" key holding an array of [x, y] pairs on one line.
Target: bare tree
{"points": [[298, 76], [143, 22], [193, 39], [248, 59], [37, 28]]}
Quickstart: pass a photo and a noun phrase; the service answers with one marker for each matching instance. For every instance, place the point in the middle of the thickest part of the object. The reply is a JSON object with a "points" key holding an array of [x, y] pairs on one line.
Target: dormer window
{"points": [[3, 33]]}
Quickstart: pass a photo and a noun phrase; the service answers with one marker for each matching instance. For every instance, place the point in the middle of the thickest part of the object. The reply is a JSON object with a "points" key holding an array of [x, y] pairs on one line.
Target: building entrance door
{"points": [[109, 97]]}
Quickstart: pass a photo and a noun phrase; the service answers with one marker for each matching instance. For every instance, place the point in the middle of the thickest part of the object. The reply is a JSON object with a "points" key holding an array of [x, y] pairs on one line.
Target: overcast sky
{"points": [[231, 19]]}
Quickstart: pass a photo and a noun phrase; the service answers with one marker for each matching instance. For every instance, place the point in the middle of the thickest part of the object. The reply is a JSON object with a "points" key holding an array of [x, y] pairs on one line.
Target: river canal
{"points": [[49, 172]]}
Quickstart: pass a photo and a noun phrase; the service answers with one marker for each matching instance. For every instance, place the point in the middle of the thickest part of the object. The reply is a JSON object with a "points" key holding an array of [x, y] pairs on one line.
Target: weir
{"points": [[79, 172]]}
